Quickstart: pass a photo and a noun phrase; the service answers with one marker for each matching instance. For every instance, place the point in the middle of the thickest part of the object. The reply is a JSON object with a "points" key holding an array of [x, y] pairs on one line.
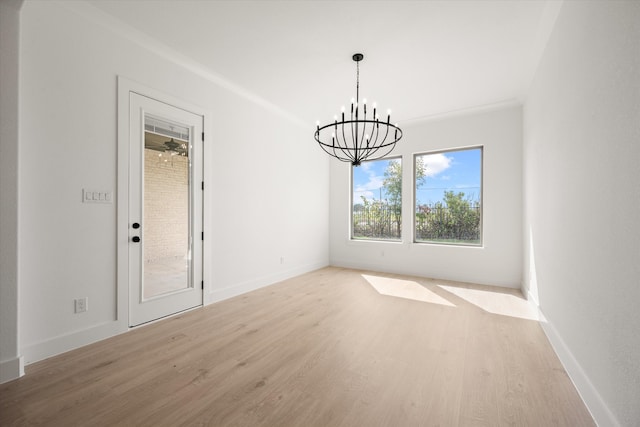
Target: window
{"points": [[448, 197], [376, 200]]}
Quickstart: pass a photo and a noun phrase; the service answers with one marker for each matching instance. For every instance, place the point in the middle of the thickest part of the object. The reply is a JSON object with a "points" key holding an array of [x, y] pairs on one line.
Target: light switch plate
{"points": [[91, 196]]}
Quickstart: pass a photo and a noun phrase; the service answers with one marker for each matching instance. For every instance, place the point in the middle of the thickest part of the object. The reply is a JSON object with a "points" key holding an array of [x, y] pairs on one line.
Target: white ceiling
{"points": [[422, 58]]}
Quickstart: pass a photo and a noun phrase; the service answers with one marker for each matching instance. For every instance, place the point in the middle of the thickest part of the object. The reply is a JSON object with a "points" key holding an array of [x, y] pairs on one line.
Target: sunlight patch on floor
{"points": [[407, 289], [495, 302]]}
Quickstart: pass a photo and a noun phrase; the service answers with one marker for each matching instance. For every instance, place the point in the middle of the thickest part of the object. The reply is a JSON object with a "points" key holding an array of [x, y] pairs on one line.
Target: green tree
{"points": [[454, 218], [373, 219], [392, 185]]}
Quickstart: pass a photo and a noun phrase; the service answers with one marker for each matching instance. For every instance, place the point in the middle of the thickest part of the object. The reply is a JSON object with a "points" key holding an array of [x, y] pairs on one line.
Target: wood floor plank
{"points": [[334, 347]]}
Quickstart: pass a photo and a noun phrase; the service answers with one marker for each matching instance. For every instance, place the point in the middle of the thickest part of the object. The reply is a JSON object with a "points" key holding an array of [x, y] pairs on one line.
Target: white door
{"points": [[165, 209]]}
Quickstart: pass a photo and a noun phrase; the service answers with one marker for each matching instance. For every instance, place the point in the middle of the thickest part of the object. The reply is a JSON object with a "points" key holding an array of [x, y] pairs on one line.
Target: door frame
{"points": [[125, 87]]}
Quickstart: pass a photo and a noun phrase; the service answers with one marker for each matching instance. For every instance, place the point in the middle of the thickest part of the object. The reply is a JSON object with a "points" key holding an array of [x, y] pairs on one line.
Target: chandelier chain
{"points": [[357, 82]]}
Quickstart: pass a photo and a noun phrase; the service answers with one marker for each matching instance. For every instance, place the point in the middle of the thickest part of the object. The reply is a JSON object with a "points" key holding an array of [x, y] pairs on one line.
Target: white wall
{"points": [[582, 192], [499, 261], [10, 356], [268, 182]]}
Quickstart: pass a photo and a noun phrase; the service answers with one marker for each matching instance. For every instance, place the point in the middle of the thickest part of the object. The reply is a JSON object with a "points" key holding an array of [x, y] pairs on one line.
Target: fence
{"points": [[448, 224], [378, 221], [436, 222]]}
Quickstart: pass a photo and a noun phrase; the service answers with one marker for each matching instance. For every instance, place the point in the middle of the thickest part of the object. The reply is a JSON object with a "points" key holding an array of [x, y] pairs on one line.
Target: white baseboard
{"points": [[390, 269], [251, 285], [589, 394], [63, 343], [11, 369]]}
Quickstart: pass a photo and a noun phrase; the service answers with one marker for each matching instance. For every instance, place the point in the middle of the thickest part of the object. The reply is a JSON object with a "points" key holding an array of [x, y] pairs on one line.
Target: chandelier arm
{"points": [[390, 148], [337, 152], [375, 150], [357, 143], [337, 155], [326, 149], [344, 138], [331, 150], [354, 131], [364, 133], [344, 148], [347, 149], [370, 141], [357, 123], [375, 134], [390, 145]]}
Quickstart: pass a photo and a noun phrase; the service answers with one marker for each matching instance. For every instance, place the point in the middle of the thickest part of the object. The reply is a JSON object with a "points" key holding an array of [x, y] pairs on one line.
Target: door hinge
{"points": [[202, 236], [203, 185], [202, 284], [202, 136]]}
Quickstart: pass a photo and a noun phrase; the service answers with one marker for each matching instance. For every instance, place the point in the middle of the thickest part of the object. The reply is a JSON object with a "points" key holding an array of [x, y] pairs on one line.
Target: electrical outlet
{"points": [[81, 305]]}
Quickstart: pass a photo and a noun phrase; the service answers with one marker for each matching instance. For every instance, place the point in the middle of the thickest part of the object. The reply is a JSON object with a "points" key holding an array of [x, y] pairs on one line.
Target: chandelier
{"points": [[358, 138]]}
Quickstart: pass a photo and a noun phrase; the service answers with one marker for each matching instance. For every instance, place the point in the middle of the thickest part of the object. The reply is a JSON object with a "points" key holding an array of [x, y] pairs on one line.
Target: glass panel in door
{"points": [[167, 206]]}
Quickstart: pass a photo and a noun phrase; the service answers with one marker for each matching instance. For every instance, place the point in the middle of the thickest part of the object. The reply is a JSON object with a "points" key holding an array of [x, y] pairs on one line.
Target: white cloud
{"points": [[436, 163], [370, 189], [357, 196], [365, 166], [374, 183]]}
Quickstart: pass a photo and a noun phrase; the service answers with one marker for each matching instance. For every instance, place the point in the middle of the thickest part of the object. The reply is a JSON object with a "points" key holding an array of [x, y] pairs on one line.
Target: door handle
{"points": [[135, 239]]}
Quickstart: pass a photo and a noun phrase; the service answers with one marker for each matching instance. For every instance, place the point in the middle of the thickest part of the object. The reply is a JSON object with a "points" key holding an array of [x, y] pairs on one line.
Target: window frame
{"points": [[481, 194], [352, 238]]}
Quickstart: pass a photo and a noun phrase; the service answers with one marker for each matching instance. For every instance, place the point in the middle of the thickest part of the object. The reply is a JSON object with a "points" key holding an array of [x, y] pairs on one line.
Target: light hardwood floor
{"points": [[334, 347]]}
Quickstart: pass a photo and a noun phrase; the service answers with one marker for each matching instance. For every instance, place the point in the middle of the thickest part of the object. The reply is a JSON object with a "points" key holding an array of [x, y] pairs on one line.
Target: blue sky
{"points": [[459, 171]]}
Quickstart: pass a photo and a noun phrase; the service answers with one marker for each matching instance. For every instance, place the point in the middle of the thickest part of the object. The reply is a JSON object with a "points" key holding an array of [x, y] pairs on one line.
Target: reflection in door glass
{"points": [[167, 254]]}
